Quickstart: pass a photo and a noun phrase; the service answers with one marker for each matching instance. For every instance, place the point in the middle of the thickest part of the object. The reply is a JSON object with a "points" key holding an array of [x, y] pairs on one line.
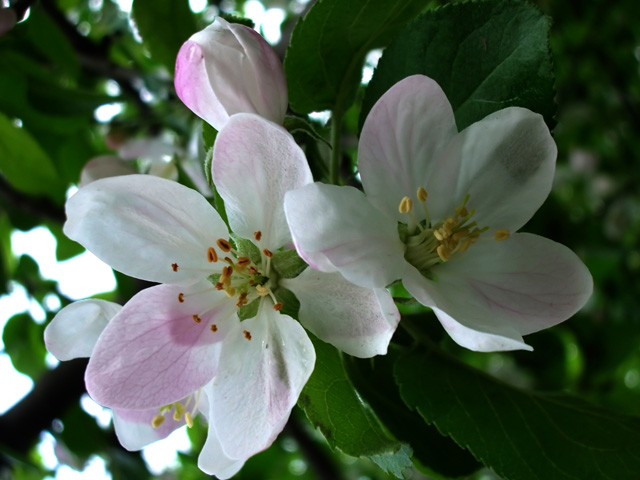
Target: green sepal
{"points": [[295, 124], [250, 310], [288, 263], [290, 303], [246, 248]]}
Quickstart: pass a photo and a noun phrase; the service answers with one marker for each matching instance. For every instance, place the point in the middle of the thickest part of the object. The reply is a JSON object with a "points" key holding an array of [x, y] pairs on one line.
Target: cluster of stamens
{"points": [[179, 411], [428, 245]]}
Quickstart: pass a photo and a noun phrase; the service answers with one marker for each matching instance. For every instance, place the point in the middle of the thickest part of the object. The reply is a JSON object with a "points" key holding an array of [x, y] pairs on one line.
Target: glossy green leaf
{"points": [[24, 164], [521, 435], [324, 61], [485, 55], [164, 26], [333, 406]]}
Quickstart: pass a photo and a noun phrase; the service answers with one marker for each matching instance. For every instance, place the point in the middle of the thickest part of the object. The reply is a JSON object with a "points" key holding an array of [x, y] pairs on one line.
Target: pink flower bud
{"points": [[229, 68]]}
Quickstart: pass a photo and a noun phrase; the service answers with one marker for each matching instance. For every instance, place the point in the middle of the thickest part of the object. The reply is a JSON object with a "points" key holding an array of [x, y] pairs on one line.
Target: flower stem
{"points": [[334, 166]]}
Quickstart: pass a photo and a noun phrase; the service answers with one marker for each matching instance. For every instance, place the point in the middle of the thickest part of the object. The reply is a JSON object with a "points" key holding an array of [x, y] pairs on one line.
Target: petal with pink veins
{"points": [[158, 350], [135, 431], [146, 227], [264, 363], [359, 321], [255, 162], [337, 228]]}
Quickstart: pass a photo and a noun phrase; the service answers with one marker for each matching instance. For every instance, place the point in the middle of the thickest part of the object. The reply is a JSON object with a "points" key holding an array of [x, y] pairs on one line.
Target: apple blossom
{"points": [[440, 212], [229, 68], [214, 338]]}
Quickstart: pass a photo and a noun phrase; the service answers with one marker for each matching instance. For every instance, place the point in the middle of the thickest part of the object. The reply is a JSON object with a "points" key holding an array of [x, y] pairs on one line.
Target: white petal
{"points": [[337, 228], [259, 381], [154, 352], [359, 321], [134, 430], [141, 225], [403, 133], [75, 329], [511, 288], [505, 162], [255, 162]]}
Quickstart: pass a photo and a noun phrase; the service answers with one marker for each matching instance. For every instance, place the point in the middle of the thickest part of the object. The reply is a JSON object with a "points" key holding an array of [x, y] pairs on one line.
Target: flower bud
{"points": [[229, 68]]}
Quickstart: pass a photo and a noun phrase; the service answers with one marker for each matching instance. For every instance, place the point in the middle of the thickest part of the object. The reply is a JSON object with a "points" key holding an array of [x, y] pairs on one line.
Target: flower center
{"points": [[430, 244], [180, 410]]}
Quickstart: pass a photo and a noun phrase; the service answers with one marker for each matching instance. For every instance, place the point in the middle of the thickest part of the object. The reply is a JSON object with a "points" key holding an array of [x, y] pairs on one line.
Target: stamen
{"points": [[213, 328], [230, 292], [196, 318], [502, 234], [188, 419], [262, 291], [181, 297], [247, 335], [253, 270], [422, 195], [405, 205], [174, 267], [443, 252], [157, 421], [212, 256], [219, 286], [257, 235], [242, 300], [179, 411], [277, 306], [243, 261], [226, 273], [224, 245], [229, 261], [267, 252]]}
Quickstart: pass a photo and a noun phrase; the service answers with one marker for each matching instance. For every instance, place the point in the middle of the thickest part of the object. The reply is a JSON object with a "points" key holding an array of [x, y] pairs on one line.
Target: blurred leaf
{"points": [[438, 454], [485, 55], [25, 165], [333, 406], [81, 434], [22, 339], [520, 435], [164, 26], [209, 135], [324, 61], [295, 125]]}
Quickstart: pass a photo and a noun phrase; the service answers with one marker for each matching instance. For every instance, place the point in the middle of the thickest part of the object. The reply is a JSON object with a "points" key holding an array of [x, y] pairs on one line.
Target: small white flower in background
{"points": [[440, 212], [229, 68], [180, 348]]}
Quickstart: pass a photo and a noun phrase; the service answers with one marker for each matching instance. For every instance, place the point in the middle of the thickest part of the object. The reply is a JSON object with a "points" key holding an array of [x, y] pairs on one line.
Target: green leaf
{"points": [[332, 405], [397, 463], [249, 311], [22, 339], [295, 125], [486, 56], [24, 164], [164, 26], [209, 135], [323, 64], [437, 454], [246, 248], [520, 435]]}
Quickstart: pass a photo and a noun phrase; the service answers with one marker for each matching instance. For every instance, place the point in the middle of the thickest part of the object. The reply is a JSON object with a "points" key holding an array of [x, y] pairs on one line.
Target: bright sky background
{"points": [[84, 276]]}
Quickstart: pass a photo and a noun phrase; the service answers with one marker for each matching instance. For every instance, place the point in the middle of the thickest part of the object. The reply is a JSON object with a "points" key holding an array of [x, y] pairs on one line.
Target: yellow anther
{"points": [[212, 256], [422, 195], [501, 234], [231, 292], [443, 252], [277, 306], [438, 235], [224, 245], [188, 419], [157, 421], [262, 291], [179, 411], [467, 243], [460, 235], [405, 205]]}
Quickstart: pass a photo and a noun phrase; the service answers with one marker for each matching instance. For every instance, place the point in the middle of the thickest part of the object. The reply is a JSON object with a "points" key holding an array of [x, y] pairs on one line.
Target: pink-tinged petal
{"points": [[505, 162], [103, 167], [158, 350], [75, 329], [359, 321], [194, 88], [146, 227], [227, 69], [255, 162], [212, 459], [264, 363], [510, 288], [337, 228], [403, 133], [135, 431]]}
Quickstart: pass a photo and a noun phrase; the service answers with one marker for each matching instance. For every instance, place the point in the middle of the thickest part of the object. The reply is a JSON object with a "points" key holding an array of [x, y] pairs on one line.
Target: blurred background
{"points": [[77, 83]]}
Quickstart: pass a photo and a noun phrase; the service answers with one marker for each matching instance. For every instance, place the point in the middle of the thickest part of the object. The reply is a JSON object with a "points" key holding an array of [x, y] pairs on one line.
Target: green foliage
{"points": [[22, 339], [164, 26], [324, 61], [333, 406], [521, 435], [486, 56], [288, 263]]}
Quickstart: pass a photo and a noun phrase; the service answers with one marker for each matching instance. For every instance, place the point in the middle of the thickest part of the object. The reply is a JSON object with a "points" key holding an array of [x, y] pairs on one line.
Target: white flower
{"points": [[174, 341], [440, 212]]}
